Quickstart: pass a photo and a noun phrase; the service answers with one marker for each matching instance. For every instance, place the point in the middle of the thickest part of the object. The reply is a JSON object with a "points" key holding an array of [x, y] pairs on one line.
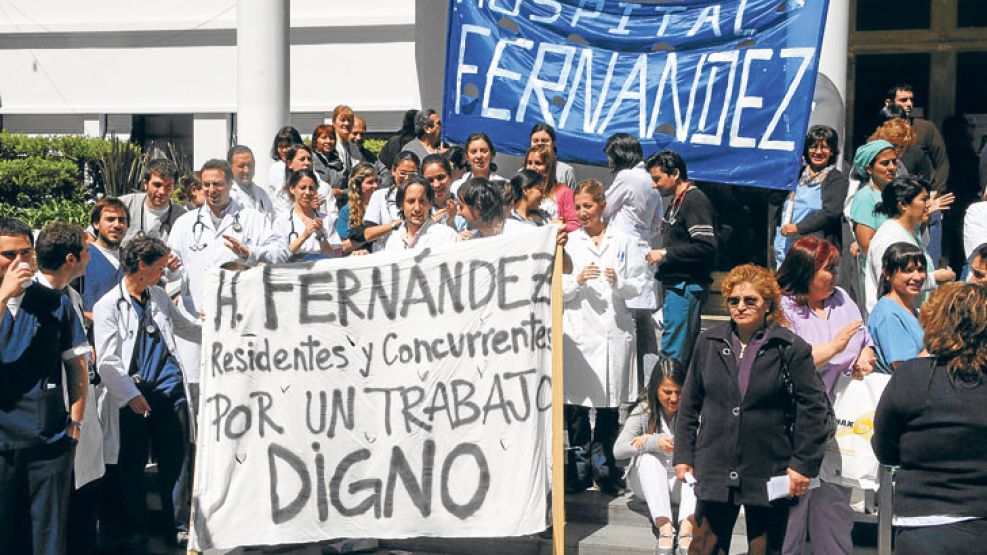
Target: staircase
{"points": [[597, 524]]}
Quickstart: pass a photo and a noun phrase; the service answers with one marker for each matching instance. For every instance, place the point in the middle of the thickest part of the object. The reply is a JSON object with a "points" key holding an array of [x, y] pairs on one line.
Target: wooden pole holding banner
{"points": [[558, 412]]}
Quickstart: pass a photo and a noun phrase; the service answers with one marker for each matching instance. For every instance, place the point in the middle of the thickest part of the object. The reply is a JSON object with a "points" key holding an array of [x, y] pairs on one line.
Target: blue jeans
{"points": [[682, 310], [34, 497]]}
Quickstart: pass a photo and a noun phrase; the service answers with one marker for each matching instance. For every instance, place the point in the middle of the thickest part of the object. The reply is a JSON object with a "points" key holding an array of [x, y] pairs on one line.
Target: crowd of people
{"points": [[100, 357]]}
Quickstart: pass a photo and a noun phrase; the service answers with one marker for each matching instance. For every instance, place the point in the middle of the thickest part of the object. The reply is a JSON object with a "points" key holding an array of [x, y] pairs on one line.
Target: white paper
{"points": [[779, 486]]}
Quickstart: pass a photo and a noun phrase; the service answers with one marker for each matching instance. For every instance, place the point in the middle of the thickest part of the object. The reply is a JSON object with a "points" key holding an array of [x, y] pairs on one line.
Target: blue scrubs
{"points": [[165, 429], [897, 334], [101, 276], [35, 454]]}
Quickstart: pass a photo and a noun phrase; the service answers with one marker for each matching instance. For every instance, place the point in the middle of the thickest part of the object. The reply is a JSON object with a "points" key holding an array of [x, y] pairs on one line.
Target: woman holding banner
{"points": [[415, 197], [599, 343]]}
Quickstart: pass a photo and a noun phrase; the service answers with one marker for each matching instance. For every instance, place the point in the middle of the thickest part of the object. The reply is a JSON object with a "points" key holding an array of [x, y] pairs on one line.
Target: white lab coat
{"points": [[599, 343], [634, 207], [256, 233], [115, 330]]}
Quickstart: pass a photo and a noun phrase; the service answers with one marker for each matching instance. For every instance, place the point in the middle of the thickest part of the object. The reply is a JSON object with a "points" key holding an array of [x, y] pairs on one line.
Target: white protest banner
{"points": [[396, 395]]}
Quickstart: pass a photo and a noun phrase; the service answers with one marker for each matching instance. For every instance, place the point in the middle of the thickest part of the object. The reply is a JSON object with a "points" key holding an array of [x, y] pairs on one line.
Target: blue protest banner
{"points": [[728, 85]]}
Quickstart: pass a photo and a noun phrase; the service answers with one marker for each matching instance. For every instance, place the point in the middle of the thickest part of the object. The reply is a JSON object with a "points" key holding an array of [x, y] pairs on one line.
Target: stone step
{"points": [[593, 507]]}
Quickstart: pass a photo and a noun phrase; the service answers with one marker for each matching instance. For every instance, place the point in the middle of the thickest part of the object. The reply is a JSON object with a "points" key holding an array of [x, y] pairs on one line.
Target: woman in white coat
{"points": [[599, 341], [146, 401]]}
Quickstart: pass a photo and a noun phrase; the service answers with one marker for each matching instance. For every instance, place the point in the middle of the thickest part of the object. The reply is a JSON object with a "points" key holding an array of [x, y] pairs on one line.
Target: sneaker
{"points": [[181, 538]]}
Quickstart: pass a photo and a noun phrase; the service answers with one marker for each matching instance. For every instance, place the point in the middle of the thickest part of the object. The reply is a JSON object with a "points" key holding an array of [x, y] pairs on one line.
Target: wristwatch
{"points": [[395, 225], [77, 424]]}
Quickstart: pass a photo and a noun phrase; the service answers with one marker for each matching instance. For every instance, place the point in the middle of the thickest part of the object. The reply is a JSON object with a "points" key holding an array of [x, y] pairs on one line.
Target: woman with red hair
{"points": [[826, 317], [742, 383]]}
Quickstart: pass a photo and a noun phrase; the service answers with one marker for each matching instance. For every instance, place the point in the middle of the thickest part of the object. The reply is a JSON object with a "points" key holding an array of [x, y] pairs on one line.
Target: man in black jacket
{"points": [[685, 260]]}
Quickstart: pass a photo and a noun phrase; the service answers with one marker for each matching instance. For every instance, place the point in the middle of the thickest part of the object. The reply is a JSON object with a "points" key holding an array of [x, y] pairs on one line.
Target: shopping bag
{"points": [[849, 459]]}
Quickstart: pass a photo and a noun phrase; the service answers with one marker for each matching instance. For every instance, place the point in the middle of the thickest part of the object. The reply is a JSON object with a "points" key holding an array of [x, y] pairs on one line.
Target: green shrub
{"points": [[374, 145], [32, 181], [35, 170], [53, 210]]}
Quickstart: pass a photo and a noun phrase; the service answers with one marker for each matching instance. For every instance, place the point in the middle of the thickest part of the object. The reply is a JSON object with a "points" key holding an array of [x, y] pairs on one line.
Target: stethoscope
{"points": [[165, 225], [199, 227], [320, 234], [149, 327]]}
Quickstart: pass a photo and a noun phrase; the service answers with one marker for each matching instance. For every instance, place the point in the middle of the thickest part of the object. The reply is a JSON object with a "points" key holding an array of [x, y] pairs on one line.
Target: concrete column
{"points": [[262, 77], [210, 137], [830, 97]]}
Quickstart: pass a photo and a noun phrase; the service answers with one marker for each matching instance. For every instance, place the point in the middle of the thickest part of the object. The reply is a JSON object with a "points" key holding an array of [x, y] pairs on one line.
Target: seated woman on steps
{"points": [[647, 440]]}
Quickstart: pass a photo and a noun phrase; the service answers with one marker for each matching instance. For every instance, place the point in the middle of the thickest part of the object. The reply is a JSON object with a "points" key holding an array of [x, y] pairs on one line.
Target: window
{"points": [[971, 13], [971, 81], [874, 74], [891, 15]]}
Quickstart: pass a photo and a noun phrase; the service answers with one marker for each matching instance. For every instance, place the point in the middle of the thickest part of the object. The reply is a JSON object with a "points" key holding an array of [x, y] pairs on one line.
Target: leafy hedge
{"points": [[53, 210], [35, 171]]}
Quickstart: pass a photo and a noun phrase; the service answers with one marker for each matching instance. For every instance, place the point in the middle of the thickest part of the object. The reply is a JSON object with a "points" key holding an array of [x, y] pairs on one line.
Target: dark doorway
{"points": [[874, 74]]}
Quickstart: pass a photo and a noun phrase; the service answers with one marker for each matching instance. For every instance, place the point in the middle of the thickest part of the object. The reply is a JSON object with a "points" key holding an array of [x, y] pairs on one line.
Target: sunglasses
{"points": [[749, 301]]}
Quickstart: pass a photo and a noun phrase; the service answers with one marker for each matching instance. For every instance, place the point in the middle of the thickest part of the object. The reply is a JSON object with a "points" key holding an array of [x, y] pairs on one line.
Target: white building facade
{"points": [[167, 71]]}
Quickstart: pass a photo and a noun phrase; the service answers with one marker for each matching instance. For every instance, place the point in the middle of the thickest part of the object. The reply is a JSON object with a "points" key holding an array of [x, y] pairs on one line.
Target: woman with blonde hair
{"points": [[599, 345], [765, 418], [930, 423], [357, 237]]}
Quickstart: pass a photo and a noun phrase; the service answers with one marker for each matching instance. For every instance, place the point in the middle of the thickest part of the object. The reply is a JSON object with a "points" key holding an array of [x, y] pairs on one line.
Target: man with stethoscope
{"points": [[146, 402], [153, 212], [219, 231]]}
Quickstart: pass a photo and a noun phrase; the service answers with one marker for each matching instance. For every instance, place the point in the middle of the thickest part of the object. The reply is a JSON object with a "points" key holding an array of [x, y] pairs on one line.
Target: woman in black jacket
{"points": [[765, 416], [931, 422], [815, 207]]}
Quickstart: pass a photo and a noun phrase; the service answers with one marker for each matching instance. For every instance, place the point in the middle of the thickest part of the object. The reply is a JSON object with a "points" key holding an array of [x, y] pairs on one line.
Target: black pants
{"points": [[166, 431], [591, 449], [714, 526], [83, 513], [960, 538]]}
